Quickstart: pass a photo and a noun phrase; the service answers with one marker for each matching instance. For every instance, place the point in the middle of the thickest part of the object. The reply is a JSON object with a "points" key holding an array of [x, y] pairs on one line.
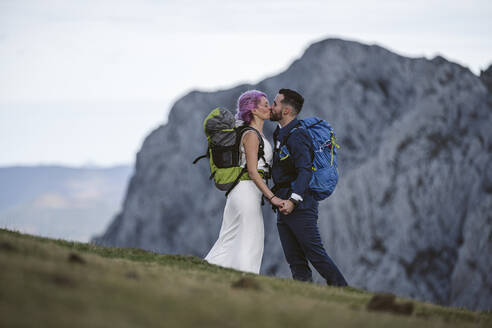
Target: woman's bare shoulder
{"points": [[250, 136]]}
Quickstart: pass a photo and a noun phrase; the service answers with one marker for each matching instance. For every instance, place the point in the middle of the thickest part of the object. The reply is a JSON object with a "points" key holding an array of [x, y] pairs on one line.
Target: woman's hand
{"points": [[278, 202]]}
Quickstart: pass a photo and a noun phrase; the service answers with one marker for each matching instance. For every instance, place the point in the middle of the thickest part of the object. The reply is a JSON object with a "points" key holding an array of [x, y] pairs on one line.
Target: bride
{"points": [[241, 238]]}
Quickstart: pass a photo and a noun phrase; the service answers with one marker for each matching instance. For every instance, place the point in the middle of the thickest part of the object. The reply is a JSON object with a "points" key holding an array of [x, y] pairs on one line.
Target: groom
{"points": [[297, 218]]}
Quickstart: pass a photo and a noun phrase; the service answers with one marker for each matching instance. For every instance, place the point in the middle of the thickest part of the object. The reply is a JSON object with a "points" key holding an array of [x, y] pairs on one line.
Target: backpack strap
{"points": [[308, 127], [333, 145], [261, 154], [200, 157], [284, 141], [244, 170], [298, 126], [261, 147]]}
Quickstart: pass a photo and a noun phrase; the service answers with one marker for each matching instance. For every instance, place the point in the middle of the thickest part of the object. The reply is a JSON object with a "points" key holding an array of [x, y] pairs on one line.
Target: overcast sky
{"points": [[85, 81]]}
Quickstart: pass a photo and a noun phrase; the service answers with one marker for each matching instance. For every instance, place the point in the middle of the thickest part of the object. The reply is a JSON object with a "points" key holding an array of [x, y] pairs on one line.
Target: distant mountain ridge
{"points": [[61, 202], [412, 212]]}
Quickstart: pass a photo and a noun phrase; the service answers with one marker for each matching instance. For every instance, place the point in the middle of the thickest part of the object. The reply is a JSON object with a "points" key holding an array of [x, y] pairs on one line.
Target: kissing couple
{"points": [[241, 239]]}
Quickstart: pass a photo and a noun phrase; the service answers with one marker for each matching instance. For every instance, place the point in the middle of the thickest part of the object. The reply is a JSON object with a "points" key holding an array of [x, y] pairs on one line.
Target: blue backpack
{"points": [[325, 167]]}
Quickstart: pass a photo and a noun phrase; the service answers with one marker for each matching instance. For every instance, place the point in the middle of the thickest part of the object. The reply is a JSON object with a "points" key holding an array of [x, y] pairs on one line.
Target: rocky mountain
{"points": [[61, 202], [412, 213]]}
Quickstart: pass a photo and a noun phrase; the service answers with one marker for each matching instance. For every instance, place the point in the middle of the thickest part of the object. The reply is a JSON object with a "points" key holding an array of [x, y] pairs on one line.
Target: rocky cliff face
{"points": [[412, 213]]}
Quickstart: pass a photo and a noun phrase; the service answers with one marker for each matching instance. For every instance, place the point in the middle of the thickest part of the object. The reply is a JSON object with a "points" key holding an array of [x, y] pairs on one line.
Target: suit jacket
{"points": [[292, 163]]}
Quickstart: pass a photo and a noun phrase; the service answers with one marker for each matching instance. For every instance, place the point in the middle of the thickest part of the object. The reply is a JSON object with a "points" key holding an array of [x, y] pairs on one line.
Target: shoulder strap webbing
{"points": [[200, 157], [261, 154], [244, 170], [261, 147], [284, 141]]}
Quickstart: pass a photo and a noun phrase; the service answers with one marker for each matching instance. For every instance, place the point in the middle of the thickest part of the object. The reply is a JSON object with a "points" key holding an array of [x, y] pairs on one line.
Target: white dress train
{"points": [[242, 235]]}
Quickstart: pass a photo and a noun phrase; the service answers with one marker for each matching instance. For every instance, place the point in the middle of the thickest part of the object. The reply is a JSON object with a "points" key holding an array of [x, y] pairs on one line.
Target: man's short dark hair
{"points": [[293, 99]]}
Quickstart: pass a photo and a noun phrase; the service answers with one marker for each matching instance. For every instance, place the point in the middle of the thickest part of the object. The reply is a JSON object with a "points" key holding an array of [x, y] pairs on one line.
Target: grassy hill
{"points": [[56, 283]]}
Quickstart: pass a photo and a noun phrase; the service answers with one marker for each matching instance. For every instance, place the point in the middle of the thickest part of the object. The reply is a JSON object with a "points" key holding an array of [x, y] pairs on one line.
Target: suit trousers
{"points": [[301, 242]]}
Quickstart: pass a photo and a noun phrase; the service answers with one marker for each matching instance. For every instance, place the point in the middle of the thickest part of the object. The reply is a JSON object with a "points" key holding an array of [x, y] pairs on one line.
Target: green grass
{"points": [[120, 287]]}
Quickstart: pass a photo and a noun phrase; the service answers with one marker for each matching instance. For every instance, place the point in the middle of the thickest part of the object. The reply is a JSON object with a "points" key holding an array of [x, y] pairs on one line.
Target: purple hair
{"points": [[247, 102]]}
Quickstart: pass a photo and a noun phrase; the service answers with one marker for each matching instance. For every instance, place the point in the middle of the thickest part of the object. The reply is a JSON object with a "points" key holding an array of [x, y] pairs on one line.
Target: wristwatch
{"points": [[294, 201]]}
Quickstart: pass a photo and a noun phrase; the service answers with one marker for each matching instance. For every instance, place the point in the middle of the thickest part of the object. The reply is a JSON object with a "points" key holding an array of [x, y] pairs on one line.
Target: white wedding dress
{"points": [[242, 235]]}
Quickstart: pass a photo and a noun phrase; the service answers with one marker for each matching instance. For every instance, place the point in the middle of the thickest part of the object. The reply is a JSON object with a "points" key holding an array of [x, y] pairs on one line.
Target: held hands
{"points": [[285, 206], [277, 202]]}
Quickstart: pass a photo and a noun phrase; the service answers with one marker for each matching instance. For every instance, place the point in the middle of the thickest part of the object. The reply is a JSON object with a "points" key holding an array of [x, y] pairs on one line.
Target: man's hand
{"points": [[287, 207]]}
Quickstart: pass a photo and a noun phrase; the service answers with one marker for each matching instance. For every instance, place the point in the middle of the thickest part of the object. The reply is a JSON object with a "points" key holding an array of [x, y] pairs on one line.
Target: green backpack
{"points": [[223, 151]]}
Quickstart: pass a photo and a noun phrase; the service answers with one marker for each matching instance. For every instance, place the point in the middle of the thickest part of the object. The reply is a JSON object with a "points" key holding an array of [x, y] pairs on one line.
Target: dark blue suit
{"points": [[298, 231]]}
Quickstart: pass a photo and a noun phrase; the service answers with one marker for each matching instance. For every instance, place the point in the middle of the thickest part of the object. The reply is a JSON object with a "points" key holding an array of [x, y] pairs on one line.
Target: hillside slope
{"points": [[412, 212], [54, 283]]}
